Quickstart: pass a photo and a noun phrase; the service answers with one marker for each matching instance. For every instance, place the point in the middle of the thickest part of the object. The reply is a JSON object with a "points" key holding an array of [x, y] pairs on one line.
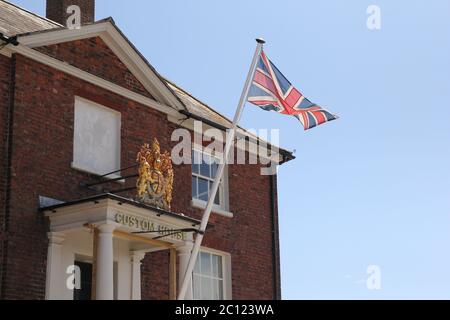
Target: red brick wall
{"points": [[155, 276], [42, 155], [94, 56]]}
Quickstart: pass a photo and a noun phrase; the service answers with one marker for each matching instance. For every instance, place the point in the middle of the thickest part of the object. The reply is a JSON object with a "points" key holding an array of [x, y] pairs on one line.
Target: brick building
{"points": [[76, 104]]}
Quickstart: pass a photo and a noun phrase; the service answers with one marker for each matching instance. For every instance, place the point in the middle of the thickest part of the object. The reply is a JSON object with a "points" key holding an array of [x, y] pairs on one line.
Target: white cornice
{"points": [[88, 77], [165, 102], [172, 115], [254, 149], [120, 46], [46, 38], [140, 68], [6, 52]]}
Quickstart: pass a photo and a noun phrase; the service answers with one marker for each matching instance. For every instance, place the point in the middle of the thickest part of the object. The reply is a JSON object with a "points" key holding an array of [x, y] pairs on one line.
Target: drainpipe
{"points": [[275, 238], [7, 161]]}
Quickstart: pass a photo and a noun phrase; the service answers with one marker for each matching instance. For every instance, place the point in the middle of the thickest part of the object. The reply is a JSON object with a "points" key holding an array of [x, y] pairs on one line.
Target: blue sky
{"points": [[372, 188]]}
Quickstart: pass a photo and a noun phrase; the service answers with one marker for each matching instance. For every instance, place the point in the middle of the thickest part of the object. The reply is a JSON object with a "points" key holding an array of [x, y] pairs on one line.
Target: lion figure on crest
{"points": [[155, 182]]}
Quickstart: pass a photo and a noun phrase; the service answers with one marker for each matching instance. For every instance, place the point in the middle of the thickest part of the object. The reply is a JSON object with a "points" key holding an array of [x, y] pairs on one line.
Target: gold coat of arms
{"points": [[155, 182]]}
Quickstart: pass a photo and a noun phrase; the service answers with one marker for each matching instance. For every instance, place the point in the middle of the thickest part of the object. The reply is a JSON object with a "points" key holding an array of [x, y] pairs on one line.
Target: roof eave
{"points": [[121, 200], [108, 26]]}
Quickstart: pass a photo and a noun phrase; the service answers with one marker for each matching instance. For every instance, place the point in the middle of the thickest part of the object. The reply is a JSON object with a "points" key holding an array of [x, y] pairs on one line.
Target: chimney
{"points": [[57, 10]]}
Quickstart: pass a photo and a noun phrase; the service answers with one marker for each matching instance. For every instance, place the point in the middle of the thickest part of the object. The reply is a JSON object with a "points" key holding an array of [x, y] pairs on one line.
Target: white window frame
{"points": [[226, 272], [82, 167], [223, 208]]}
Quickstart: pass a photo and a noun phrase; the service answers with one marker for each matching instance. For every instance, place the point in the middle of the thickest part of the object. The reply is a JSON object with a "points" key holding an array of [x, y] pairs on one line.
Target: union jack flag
{"points": [[271, 91]]}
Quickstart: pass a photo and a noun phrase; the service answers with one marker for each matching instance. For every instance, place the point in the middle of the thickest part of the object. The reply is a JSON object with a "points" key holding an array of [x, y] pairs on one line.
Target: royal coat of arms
{"points": [[155, 182]]}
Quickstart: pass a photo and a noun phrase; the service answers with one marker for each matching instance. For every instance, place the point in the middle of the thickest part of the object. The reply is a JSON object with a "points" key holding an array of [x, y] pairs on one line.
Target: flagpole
{"points": [[220, 170]]}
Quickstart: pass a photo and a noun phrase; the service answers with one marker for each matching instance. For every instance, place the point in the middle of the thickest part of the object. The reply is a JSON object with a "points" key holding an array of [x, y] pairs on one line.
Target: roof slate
{"points": [[15, 20]]}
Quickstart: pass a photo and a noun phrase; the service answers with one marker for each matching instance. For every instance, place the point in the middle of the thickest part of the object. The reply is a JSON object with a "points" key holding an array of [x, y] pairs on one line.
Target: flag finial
{"points": [[260, 40]]}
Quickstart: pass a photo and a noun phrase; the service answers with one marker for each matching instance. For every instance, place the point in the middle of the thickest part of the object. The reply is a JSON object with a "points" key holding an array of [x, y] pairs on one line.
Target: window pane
{"points": [[205, 166], [220, 290], [217, 266], [196, 285], [207, 158], [202, 193], [197, 267], [216, 290], [195, 161], [217, 198], [205, 261], [214, 167], [194, 187], [205, 284], [206, 290]]}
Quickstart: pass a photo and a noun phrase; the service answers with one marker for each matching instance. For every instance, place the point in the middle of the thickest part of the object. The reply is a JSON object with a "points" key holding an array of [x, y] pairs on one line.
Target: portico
{"points": [[96, 246]]}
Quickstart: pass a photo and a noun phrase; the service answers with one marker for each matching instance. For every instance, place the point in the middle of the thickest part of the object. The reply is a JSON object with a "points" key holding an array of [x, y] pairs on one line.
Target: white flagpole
{"points": [[215, 187]]}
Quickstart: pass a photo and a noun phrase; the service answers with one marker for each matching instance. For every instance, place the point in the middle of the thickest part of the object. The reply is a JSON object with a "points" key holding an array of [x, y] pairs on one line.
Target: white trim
{"points": [[226, 271], [172, 115], [199, 175], [224, 206], [181, 121], [200, 204], [50, 37], [86, 76], [6, 52], [120, 46], [140, 68], [111, 36], [101, 106]]}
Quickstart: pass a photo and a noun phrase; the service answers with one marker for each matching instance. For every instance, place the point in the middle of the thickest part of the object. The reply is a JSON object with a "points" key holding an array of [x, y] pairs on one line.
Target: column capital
{"points": [[56, 237], [106, 228], [137, 256], [185, 247]]}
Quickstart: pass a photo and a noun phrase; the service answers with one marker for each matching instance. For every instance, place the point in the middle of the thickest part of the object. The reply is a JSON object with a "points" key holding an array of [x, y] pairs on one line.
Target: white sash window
{"points": [[204, 170], [208, 277]]}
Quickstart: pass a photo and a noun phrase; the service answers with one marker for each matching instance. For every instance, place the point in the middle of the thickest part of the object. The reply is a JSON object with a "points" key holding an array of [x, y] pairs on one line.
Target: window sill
{"points": [[200, 204], [111, 176]]}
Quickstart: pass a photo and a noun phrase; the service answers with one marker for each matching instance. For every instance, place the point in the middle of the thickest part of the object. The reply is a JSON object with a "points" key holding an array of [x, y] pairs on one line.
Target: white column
{"points": [[136, 261], [105, 263], [184, 253], [55, 280]]}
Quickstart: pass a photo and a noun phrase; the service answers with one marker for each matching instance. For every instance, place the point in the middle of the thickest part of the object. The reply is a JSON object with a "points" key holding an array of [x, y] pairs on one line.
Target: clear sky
{"points": [[371, 188]]}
